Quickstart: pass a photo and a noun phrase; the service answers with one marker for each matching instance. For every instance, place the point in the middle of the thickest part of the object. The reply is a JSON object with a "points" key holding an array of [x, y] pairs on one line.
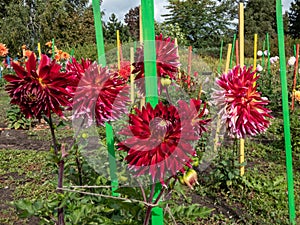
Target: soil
{"points": [[19, 139], [11, 139]]}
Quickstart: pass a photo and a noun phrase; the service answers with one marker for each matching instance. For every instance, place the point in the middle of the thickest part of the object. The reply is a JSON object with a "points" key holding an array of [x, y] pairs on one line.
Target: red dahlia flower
{"points": [[243, 107], [39, 91], [100, 95], [167, 61], [160, 140]]}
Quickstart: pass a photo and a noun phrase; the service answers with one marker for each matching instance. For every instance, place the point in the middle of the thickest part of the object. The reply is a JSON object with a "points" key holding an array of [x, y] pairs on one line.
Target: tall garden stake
{"points": [[232, 51], [220, 61], [151, 82], [254, 54], [241, 48], [295, 76], [108, 127], [286, 117]]}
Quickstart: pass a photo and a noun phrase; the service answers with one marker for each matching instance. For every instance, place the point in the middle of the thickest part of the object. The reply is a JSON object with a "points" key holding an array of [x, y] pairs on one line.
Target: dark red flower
{"points": [[167, 61], [101, 95], [243, 108], [39, 91], [159, 141]]}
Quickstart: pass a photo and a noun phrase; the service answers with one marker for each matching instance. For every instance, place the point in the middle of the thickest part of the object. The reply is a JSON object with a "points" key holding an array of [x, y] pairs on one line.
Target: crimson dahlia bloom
{"points": [[101, 95], [167, 62], [243, 108], [39, 91], [159, 140]]}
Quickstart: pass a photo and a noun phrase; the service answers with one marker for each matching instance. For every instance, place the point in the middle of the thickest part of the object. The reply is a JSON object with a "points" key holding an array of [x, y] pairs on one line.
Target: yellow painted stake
{"points": [[241, 45], [143, 99], [131, 75], [118, 49], [140, 23], [255, 55], [228, 58], [39, 50], [216, 140], [177, 52]]}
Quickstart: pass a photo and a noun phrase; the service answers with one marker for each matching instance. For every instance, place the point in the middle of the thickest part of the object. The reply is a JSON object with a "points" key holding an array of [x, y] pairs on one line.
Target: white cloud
{"points": [[121, 7]]}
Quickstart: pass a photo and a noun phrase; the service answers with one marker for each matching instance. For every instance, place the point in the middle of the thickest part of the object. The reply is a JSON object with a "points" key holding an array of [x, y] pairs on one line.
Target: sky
{"points": [[121, 7]]}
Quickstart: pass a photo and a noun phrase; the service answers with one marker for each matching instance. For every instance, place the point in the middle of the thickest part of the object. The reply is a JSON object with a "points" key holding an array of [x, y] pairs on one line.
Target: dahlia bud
{"points": [[165, 81], [190, 178]]}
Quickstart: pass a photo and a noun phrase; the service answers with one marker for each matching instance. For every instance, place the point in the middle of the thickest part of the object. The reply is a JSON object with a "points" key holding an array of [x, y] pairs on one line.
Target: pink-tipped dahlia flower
{"points": [[101, 96], [167, 62], [39, 91], [159, 140], [243, 108]]}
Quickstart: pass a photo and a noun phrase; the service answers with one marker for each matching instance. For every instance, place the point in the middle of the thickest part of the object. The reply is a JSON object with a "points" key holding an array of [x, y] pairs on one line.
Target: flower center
{"points": [[41, 82]]}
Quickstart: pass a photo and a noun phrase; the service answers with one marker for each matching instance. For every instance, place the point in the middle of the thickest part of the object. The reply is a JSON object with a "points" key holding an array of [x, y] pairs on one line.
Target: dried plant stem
{"points": [[61, 164]]}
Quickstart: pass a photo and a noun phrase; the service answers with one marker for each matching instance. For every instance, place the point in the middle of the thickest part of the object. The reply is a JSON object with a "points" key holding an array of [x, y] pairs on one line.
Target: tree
{"points": [[132, 22], [28, 22], [111, 28], [294, 19], [260, 18], [204, 22]]}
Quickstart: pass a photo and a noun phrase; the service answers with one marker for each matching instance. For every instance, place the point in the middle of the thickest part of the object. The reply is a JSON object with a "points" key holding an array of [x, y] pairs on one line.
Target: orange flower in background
{"points": [[3, 50], [49, 44], [297, 95], [57, 57], [27, 53], [65, 55]]}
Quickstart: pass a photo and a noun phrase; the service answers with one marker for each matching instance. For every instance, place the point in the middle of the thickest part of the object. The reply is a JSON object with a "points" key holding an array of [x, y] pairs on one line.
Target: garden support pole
{"points": [[241, 48], [295, 76], [53, 49], [39, 51], [220, 62], [151, 81], [108, 127], [268, 49], [254, 55], [286, 117], [118, 50], [232, 51]]}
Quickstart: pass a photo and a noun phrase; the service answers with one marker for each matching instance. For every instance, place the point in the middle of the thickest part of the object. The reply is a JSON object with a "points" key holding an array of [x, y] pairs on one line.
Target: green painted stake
{"points": [[263, 55], [294, 50], [232, 51], [220, 61], [286, 118], [268, 49], [53, 49], [72, 55], [108, 127], [151, 81]]}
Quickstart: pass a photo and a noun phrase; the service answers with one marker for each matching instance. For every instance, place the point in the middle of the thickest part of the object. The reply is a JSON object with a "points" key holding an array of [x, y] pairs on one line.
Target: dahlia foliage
{"points": [[40, 90], [159, 140], [167, 62], [243, 108]]}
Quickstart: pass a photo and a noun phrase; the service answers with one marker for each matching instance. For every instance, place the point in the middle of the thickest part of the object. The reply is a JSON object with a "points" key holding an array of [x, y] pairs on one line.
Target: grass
{"points": [[260, 197], [23, 175]]}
